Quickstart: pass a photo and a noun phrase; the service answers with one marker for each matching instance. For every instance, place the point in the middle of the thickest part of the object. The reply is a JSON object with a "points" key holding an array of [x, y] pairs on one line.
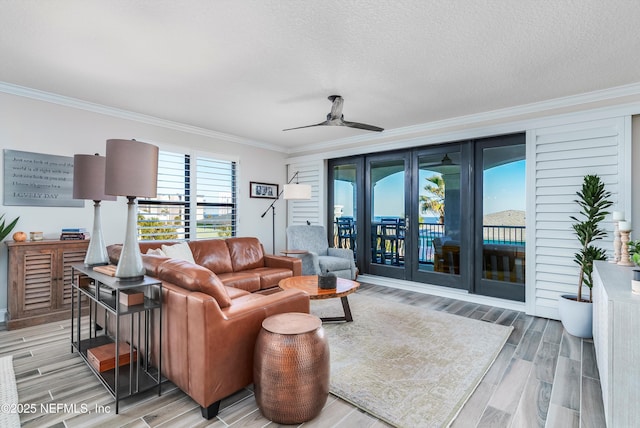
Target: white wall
{"points": [[37, 126], [635, 177]]}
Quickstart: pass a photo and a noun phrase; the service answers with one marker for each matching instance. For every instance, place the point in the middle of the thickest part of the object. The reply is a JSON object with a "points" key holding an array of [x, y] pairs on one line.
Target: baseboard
{"points": [[437, 290]]}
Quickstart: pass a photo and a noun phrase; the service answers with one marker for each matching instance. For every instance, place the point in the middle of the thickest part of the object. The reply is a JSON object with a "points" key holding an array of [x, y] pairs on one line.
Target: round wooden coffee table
{"points": [[309, 284]]}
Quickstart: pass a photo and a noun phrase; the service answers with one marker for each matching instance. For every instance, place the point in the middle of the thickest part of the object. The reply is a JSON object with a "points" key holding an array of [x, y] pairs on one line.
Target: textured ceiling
{"points": [[253, 68]]}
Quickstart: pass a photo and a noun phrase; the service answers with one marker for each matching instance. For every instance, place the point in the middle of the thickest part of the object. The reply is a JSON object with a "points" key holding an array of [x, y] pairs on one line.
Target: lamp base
{"points": [[130, 266], [97, 251]]}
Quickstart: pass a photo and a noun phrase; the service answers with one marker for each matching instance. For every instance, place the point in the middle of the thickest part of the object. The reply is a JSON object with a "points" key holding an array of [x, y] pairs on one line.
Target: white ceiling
{"points": [[253, 68]]}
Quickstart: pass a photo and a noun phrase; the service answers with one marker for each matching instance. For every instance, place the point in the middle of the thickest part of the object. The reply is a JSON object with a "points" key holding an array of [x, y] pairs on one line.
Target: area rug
{"points": [[9, 416], [408, 366]]}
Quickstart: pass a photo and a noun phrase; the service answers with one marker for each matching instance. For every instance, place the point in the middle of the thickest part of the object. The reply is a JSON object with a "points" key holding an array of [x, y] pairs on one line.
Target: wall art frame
{"points": [[263, 190], [38, 179]]}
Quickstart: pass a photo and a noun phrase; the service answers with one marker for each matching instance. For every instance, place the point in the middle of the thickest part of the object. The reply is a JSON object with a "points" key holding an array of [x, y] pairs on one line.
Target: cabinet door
{"points": [[68, 257], [37, 295]]}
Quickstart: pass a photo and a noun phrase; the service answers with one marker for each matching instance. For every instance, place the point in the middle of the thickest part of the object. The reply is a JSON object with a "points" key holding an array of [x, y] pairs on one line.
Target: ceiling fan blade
{"points": [[335, 118], [308, 126], [363, 126]]}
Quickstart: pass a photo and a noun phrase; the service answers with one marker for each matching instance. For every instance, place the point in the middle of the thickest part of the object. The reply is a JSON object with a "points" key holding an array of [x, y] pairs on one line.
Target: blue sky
{"points": [[504, 188]]}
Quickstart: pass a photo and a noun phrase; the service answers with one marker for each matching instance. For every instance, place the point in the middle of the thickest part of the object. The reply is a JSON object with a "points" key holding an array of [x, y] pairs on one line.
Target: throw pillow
{"points": [[156, 252], [179, 251]]}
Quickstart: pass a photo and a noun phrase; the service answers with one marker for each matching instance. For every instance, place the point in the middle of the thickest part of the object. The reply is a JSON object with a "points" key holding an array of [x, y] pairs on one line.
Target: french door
{"points": [[500, 234], [450, 215], [387, 209], [440, 199]]}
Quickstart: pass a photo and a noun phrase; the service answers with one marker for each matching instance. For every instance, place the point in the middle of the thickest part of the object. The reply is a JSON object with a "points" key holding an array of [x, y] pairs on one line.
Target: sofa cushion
{"points": [[271, 277], [212, 254], [246, 253], [180, 251], [243, 280], [330, 263], [235, 293], [194, 278], [151, 264]]}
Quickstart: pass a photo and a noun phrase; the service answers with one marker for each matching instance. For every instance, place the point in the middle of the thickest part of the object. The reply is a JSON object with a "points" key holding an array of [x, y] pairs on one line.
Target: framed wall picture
{"points": [[38, 180], [263, 190]]}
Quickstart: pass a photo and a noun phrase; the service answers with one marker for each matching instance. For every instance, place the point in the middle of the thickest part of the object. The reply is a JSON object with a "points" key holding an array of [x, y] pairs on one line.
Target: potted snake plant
{"points": [[576, 311], [5, 230]]}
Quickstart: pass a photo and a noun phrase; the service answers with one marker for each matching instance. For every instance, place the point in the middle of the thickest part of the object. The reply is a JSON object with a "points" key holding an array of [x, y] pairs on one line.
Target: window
{"points": [[196, 199]]}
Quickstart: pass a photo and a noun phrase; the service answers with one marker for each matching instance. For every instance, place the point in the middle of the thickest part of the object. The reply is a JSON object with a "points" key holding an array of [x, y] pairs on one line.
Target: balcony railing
{"points": [[383, 248]]}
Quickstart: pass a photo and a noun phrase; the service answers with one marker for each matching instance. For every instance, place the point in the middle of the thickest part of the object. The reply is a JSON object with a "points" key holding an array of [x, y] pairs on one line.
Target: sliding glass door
{"points": [[500, 222], [450, 215], [388, 179], [438, 202], [346, 212]]}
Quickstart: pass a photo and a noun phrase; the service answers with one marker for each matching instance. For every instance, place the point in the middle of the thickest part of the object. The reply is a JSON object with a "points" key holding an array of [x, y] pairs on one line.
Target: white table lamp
{"points": [[131, 171], [88, 183]]}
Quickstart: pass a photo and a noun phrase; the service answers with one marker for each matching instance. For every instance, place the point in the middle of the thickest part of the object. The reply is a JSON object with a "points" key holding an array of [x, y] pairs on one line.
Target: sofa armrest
{"points": [[345, 253], [292, 263], [310, 263]]}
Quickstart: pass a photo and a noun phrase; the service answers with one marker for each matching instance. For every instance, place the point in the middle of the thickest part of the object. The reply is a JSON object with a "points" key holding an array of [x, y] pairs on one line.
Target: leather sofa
{"points": [[210, 321], [238, 262]]}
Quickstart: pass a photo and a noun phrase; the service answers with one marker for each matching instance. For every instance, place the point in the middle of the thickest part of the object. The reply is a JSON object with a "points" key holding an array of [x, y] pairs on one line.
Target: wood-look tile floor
{"points": [[542, 377]]}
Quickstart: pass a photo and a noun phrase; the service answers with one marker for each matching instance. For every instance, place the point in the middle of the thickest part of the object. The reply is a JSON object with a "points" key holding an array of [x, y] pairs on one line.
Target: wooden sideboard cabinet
{"points": [[616, 323], [39, 280]]}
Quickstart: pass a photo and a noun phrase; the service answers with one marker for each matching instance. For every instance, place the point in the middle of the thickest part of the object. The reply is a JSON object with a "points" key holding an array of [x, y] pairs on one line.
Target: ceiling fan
{"points": [[336, 118]]}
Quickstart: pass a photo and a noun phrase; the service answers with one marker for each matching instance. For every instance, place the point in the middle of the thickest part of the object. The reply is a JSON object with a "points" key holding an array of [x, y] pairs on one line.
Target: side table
{"points": [[294, 252], [291, 368], [106, 291]]}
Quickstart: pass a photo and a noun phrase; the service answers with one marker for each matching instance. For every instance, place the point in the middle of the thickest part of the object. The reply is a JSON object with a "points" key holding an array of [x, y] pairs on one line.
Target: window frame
{"points": [[189, 202]]}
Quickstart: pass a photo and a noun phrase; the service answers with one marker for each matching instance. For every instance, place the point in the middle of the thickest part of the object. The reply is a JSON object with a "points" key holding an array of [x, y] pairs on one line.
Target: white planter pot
{"points": [[635, 282], [576, 317]]}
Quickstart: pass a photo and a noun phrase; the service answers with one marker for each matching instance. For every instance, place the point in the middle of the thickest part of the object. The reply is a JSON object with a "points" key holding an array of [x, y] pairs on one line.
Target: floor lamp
{"points": [[131, 170], [88, 183], [290, 192]]}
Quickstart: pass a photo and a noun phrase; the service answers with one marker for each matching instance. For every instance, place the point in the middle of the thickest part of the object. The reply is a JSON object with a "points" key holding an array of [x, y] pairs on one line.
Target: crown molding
{"points": [[479, 118], [479, 130], [76, 103], [382, 138]]}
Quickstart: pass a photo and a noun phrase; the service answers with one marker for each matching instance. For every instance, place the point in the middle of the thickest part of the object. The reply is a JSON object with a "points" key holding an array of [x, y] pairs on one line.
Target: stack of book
{"points": [[74, 233]]}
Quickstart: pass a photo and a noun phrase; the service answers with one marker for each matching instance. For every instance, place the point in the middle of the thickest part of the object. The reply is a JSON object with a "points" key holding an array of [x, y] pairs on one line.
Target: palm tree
{"points": [[434, 199]]}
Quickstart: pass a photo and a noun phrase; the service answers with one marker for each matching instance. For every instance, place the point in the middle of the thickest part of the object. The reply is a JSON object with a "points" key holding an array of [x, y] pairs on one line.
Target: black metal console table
{"points": [[141, 374]]}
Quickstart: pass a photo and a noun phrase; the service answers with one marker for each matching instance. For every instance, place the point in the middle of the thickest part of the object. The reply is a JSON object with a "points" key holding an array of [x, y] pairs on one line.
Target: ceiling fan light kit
{"points": [[336, 118]]}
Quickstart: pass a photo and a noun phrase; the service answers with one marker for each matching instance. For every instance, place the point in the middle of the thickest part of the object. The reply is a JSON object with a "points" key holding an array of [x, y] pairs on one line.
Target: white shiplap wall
{"points": [[312, 210], [562, 156]]}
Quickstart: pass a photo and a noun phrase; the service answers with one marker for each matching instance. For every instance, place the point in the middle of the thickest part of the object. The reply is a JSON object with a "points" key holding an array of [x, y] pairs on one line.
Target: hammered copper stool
{"points": [[291, 368]]}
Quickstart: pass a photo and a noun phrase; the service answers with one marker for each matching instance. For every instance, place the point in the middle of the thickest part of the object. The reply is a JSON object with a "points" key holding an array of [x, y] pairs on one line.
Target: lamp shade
{"points": [[88, 178], [131, 168], [296, 191]]}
